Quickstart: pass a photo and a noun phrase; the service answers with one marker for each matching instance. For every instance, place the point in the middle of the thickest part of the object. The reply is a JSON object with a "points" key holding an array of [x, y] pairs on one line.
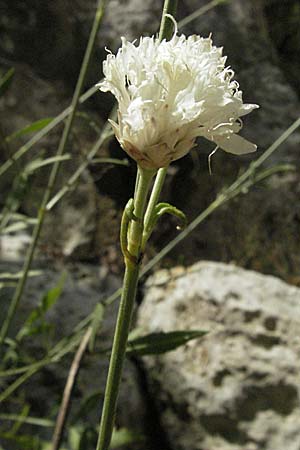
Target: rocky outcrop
{"points": [[237, 388]]}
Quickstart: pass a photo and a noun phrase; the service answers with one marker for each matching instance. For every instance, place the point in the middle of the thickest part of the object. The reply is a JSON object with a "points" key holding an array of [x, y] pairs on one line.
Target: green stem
{"points": [[158, 184], [53, 174], [130, 280], [166, 25], [125, 313], [136, 230]]}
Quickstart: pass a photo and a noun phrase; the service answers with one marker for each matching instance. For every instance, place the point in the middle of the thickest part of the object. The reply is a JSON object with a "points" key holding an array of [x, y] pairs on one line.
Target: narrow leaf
{"points": [[32, 128], [156, 343]]}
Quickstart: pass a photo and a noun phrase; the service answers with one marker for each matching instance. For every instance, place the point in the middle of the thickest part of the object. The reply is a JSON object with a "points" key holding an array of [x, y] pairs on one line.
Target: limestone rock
{"points": [[237, 388]]}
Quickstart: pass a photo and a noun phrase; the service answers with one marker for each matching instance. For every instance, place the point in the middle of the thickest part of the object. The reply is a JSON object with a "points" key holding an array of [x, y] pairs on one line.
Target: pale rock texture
{"points": [[237, 388]]}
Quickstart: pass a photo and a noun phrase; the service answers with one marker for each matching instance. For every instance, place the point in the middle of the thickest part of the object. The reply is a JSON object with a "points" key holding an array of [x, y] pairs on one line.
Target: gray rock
{"points": [[238, 388]]}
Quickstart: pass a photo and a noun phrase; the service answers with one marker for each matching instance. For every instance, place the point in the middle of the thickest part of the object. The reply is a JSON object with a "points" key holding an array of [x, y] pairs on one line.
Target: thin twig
{"points": [[65, 404]]}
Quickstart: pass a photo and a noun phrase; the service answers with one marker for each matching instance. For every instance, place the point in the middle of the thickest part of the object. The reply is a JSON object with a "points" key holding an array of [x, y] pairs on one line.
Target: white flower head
{"points": [[171, 92]]}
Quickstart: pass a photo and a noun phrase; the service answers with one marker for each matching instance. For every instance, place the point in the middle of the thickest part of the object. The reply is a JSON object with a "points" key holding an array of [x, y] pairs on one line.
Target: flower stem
{"points": [[166, 25], [125, 311], [131, 274], [158, 184]]}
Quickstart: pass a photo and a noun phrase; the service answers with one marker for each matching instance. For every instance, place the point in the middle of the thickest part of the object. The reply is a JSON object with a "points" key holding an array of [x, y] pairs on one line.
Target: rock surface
{"points": [[238, 388]]}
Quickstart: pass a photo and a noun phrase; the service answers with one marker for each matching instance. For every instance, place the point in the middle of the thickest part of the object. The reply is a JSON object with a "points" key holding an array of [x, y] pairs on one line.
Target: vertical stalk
{"points": [[131, 276], [53, 174], [125, 313], [157, 187], [166, 25]]}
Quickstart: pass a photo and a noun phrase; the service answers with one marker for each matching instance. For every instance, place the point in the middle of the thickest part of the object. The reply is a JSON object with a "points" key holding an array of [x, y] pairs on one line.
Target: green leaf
{"points": [[6, 81], [156, 343], [123, 436], [32, 128]]}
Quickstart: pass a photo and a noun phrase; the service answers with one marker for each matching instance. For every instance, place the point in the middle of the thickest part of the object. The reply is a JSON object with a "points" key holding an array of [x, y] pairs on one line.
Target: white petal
{"points": [[247, 108], [235, 144]]}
